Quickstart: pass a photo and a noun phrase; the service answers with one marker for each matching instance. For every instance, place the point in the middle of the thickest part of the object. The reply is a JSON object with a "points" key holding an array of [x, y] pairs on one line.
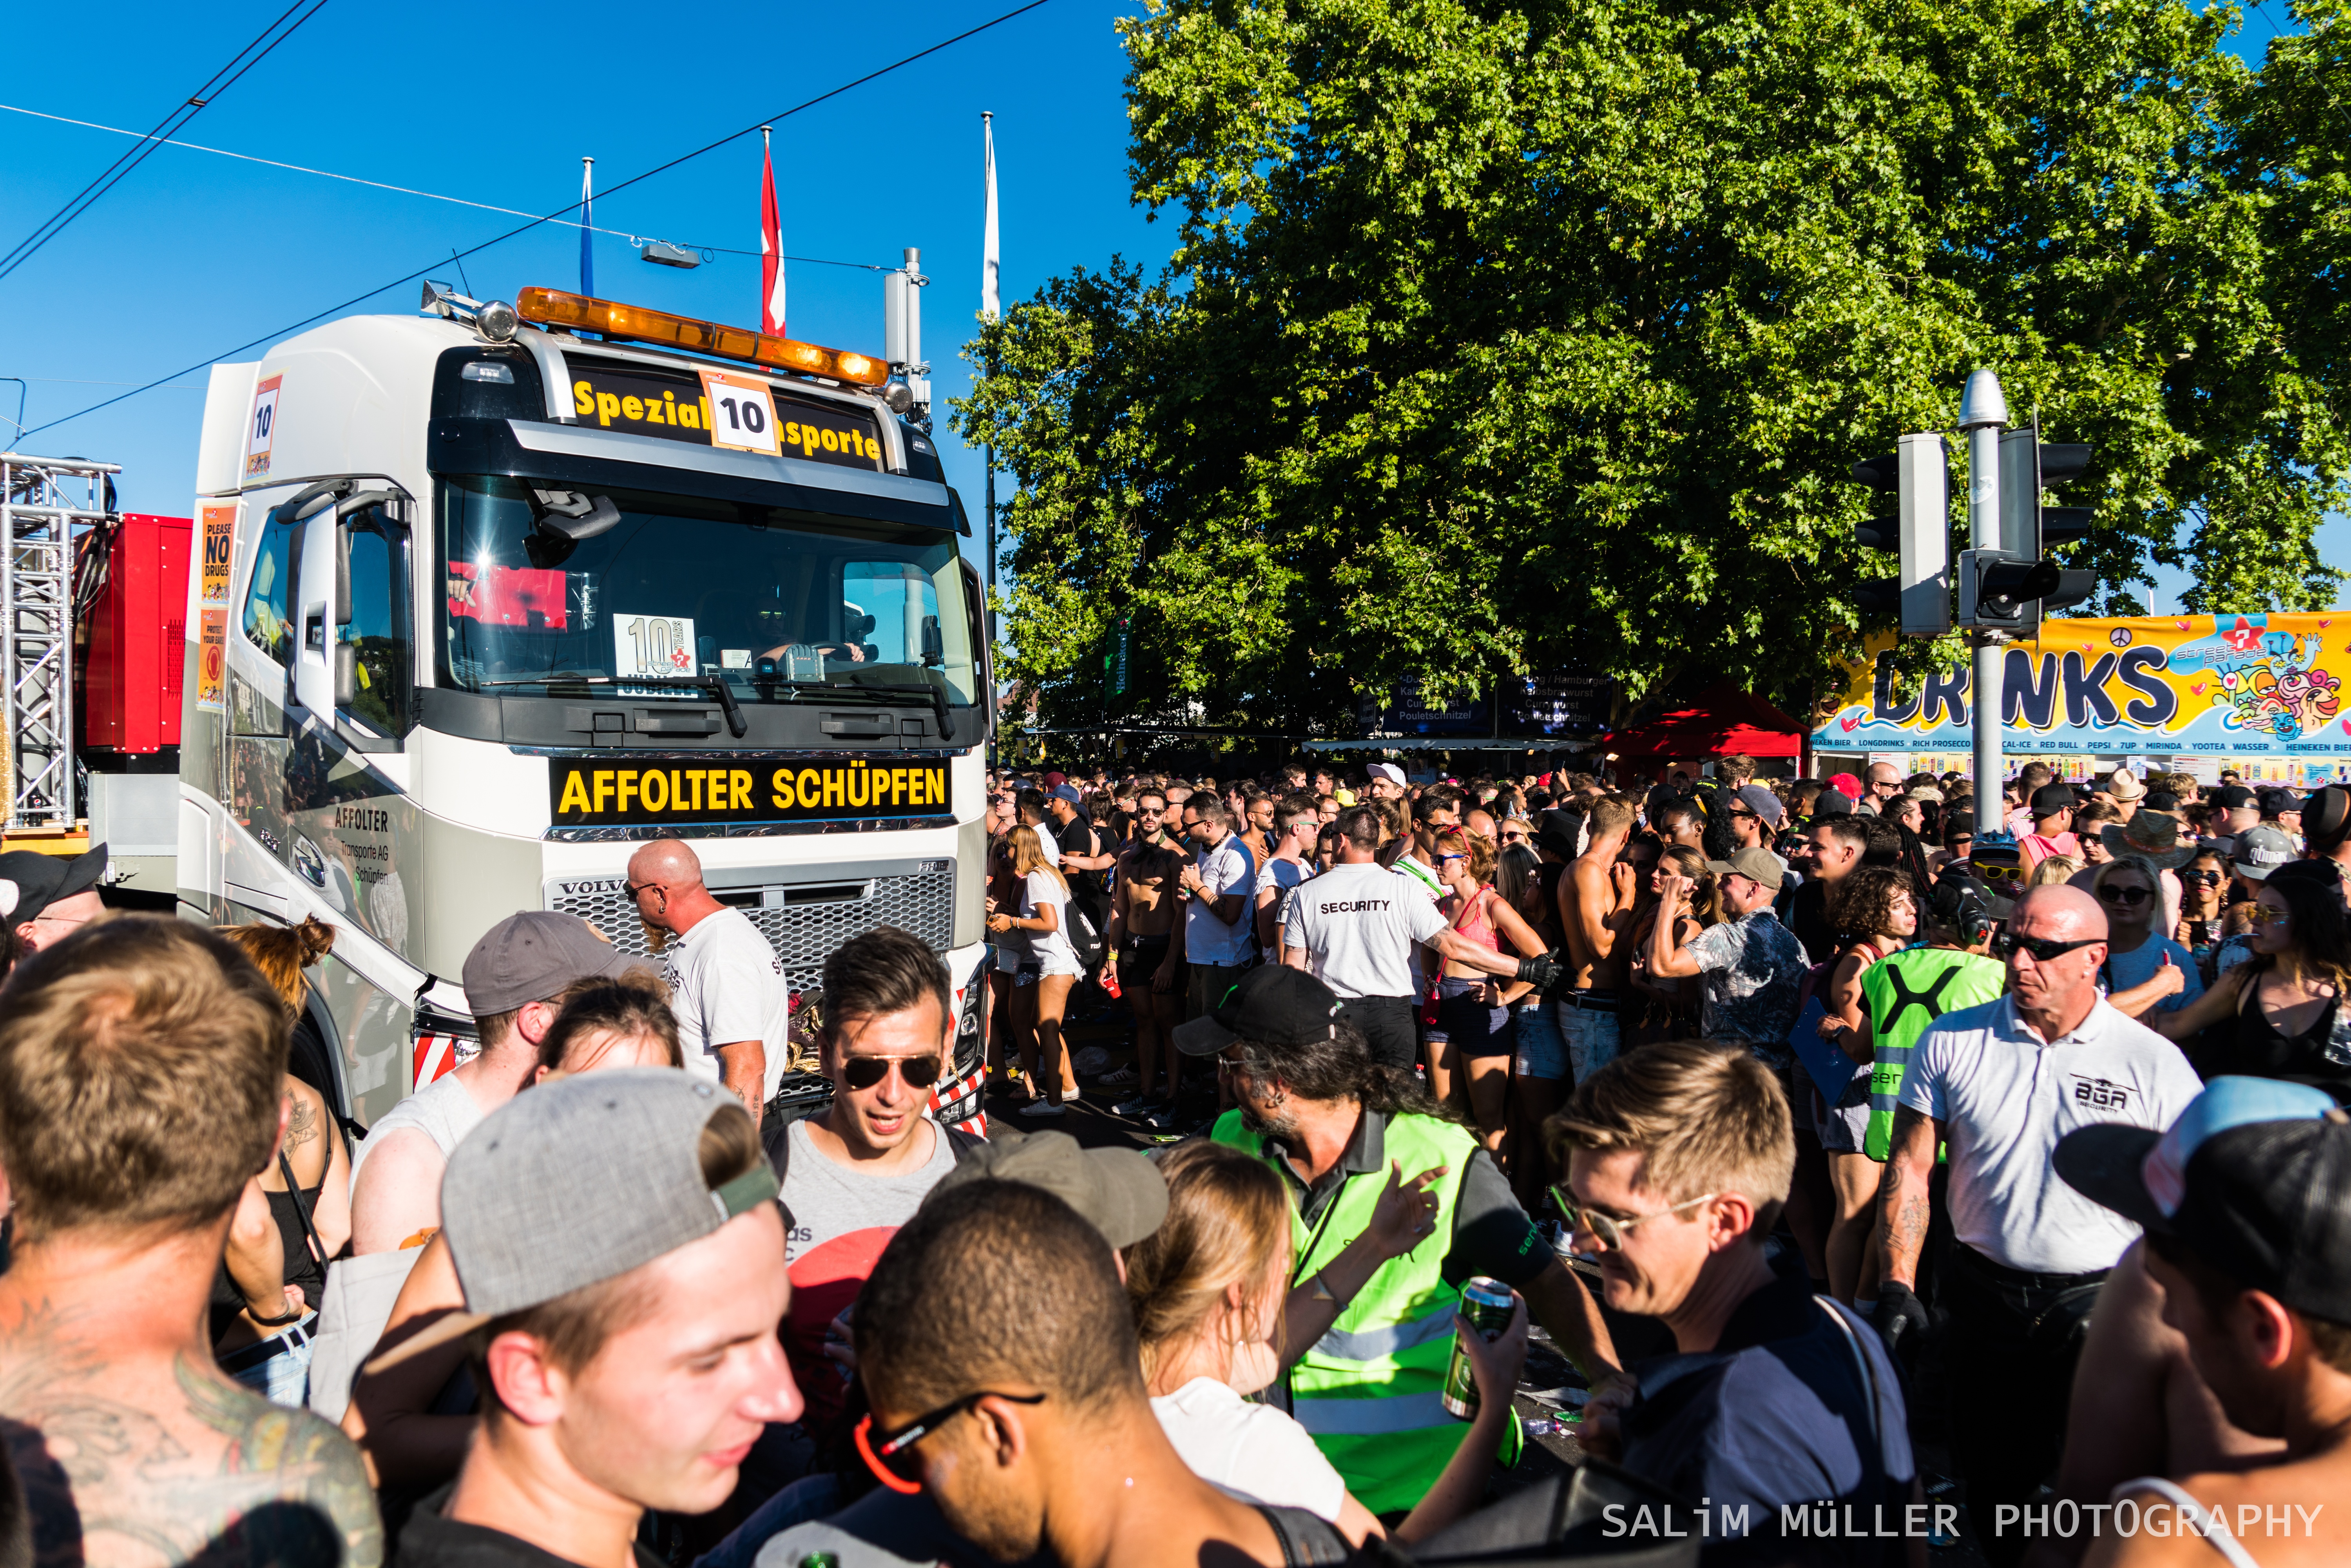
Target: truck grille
{"points": [[803, 922]]}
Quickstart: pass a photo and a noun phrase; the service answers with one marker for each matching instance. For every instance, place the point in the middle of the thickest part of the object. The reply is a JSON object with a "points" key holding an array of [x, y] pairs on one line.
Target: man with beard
{"points": [[1400, 1207]]}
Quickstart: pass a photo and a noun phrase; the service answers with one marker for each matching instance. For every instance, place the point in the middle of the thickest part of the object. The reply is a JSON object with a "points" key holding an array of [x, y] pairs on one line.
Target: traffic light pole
{"points": [[1983, 414]]}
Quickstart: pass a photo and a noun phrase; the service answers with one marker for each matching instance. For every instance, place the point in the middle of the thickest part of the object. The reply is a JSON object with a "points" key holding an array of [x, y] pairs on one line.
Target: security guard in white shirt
{"points": [[2001, 1083]]}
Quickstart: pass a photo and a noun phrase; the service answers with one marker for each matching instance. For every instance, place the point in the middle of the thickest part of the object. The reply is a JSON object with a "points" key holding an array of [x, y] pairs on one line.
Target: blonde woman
{"points": [[1207, 1289], [1041, 988]]}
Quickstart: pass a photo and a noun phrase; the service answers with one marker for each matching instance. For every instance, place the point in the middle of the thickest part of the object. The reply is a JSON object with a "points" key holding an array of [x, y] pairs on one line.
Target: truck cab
{"points": [[490, 595]]}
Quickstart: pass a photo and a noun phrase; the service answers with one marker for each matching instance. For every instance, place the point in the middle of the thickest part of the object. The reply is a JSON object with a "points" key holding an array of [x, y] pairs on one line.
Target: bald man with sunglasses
{"points": [[2001, 1083]]}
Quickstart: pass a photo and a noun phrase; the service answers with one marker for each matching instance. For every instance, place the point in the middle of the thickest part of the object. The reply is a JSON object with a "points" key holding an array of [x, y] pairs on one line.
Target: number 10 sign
{"points": [[742, 412]]}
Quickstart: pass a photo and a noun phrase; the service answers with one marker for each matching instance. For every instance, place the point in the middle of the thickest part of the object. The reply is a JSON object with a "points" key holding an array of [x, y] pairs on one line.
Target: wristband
{"points": [[292, 1315]]}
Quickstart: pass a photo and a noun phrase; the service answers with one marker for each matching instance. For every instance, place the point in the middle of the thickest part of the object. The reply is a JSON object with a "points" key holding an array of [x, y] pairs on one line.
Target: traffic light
{"points": [[2008, 590], [1918, 473]]}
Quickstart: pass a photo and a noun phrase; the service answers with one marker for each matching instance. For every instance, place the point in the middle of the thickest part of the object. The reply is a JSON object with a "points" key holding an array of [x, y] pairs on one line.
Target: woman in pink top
{"points": [[1472, 1031]]}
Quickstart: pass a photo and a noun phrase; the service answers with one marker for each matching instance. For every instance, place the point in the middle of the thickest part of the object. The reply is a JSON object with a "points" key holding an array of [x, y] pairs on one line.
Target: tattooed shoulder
{"points": [[212, 1473]]}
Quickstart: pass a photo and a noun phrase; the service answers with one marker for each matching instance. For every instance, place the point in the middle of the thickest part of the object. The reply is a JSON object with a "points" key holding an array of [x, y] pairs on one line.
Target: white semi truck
{"points": [[487, 596]]}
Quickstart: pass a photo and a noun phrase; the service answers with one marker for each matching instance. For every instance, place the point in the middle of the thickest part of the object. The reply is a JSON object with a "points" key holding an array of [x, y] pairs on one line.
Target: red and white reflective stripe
{"points": [[955, 1091], [436, 1055]]}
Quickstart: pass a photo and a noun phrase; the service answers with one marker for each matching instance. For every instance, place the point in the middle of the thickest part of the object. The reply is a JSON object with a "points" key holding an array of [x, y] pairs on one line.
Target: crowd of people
{"points": [[1805, 1123]]}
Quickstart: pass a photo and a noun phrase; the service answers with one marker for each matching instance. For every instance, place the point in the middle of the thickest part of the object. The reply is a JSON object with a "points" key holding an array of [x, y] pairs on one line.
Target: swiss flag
{"points": [[772, 254]]}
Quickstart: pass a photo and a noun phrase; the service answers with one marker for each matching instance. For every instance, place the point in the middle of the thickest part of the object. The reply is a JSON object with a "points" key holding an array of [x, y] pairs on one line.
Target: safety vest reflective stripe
{"points": [[1377, 1343], [1375, 1417], [1906, 993], [1369, 1390]]}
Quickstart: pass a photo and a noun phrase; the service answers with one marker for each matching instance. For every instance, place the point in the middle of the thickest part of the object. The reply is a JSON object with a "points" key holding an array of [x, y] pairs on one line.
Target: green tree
{"points": [[1498, 338]]}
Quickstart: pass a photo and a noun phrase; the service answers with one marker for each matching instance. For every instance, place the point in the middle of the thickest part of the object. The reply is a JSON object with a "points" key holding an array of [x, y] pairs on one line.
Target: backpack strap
{"points": [[1307, 1540]]}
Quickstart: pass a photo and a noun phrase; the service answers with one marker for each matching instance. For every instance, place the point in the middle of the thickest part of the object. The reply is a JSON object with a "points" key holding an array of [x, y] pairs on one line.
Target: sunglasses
{"points": [[2007, 945], [866, 1072], [1514, 837], [2203, 878], [2262, 915], [2125, 896], [1610, 1233], [889, 1454]]}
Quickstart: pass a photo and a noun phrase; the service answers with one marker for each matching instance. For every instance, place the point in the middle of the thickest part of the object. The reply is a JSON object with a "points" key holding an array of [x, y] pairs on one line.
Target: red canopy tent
{"points": [[1725, 721]]}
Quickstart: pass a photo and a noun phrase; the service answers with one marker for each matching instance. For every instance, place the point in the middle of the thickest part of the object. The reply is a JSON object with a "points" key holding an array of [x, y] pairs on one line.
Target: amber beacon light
{"points": [[553, 308]]}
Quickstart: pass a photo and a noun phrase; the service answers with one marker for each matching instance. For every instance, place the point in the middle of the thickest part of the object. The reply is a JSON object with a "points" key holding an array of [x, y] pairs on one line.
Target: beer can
{"points": [[1487, 1304]]}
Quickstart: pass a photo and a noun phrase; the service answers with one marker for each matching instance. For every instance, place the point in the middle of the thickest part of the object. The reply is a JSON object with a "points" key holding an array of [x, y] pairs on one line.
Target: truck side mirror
{"points": [[344, 576], [935, 644], [347, 667]]}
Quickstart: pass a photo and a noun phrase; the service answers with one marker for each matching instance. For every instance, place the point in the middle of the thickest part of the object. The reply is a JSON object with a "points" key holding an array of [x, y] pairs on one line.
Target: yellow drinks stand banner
{"points": [[2169, 689]]}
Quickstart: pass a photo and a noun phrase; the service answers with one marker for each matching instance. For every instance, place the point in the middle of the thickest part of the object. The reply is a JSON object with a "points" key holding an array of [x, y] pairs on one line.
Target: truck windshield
{"points": [[682, 587]]}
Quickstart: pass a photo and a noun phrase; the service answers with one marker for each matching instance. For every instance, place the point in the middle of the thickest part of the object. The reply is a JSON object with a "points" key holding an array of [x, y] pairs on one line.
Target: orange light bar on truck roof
{"points": [[553, 308]]}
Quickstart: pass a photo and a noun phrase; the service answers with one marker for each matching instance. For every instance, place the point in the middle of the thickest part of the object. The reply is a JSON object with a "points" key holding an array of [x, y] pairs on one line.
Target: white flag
{"points": [[991, 301]]}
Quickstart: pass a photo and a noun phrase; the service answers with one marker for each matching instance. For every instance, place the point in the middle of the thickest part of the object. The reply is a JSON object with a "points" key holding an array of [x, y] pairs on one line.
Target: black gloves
{"points": [[1544, 971], [1901, 1316]]}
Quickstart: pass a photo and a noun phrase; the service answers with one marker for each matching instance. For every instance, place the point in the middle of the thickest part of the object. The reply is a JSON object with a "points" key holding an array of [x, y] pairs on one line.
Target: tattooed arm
{"points": [[1902, 1205], [150, 1469]]}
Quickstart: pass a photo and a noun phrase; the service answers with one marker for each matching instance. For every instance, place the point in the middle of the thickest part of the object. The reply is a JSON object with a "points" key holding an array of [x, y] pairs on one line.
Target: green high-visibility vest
{"points": [[1906, 992], [1369, 1391]]}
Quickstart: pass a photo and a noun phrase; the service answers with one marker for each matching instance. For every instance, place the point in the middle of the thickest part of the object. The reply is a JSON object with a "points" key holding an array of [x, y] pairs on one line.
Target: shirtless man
{"points": [[1595, 907], [1143, 910], [2139, 1408], [130, 1447]]}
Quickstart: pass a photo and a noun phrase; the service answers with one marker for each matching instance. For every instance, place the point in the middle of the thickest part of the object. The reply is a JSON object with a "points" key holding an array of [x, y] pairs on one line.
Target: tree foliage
{"points": [[1501, 337]]}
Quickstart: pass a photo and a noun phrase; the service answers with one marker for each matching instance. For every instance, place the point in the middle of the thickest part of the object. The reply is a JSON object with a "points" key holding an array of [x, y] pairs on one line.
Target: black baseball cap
{"points": [[2051, 799], [2254, 1176], [1273, 1003], [2232, 796], [43, 880], [2273, 802]]}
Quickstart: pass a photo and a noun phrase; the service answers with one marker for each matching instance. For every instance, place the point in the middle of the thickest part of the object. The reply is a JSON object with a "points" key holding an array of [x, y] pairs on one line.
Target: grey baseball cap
{"points": [[575, 1182], [530, 955], [2262, 849], [1119, 1192]]}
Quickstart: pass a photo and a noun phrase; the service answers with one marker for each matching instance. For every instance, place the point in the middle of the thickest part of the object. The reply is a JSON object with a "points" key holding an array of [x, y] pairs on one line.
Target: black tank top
{"points": [[2258, 1048], [302, 1265]]}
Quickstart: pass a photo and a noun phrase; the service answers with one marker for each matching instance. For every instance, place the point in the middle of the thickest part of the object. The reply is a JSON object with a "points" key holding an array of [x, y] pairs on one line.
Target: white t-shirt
{"points": [[726, 985], [1051, 948], [1281, 876], [2005, 1097], [1251, 1451], [1047, 844], [1358, 924], [1206, 940]]}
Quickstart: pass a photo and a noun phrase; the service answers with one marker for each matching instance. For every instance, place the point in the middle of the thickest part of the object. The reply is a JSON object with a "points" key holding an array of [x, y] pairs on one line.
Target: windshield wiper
{"points": [[937, 696], [736, 724]]}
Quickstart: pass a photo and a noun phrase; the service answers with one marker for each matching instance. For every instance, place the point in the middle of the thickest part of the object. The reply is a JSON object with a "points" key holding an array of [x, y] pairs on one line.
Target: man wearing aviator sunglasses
{"points": [[1679, 1157], [854, 1173]]}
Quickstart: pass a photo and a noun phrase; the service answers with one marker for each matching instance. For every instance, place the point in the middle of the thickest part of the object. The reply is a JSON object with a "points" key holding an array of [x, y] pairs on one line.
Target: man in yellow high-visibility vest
{"points": [[1392, 1208]]}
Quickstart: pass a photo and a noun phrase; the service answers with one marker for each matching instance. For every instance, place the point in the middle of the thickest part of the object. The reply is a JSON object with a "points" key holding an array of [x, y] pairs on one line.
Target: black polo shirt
{"points": [[1491, 1234], [431, 1541]]}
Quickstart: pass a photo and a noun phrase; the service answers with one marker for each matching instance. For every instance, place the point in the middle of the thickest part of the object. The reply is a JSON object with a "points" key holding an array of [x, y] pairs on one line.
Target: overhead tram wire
{"points": [[187, 110], [412, 191], [556, 217]]}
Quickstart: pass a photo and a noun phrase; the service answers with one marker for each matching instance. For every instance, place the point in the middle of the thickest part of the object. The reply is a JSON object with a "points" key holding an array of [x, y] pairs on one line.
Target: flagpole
{"points": [[587, 218], [990, 309]]}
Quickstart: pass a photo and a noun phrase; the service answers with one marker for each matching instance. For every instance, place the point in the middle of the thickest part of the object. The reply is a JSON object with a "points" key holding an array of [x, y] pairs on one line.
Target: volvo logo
{"points": [[593, 886]]}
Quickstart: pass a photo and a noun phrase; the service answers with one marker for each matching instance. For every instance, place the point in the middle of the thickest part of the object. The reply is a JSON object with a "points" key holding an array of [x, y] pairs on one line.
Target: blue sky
{"points": [[196, 253]]}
